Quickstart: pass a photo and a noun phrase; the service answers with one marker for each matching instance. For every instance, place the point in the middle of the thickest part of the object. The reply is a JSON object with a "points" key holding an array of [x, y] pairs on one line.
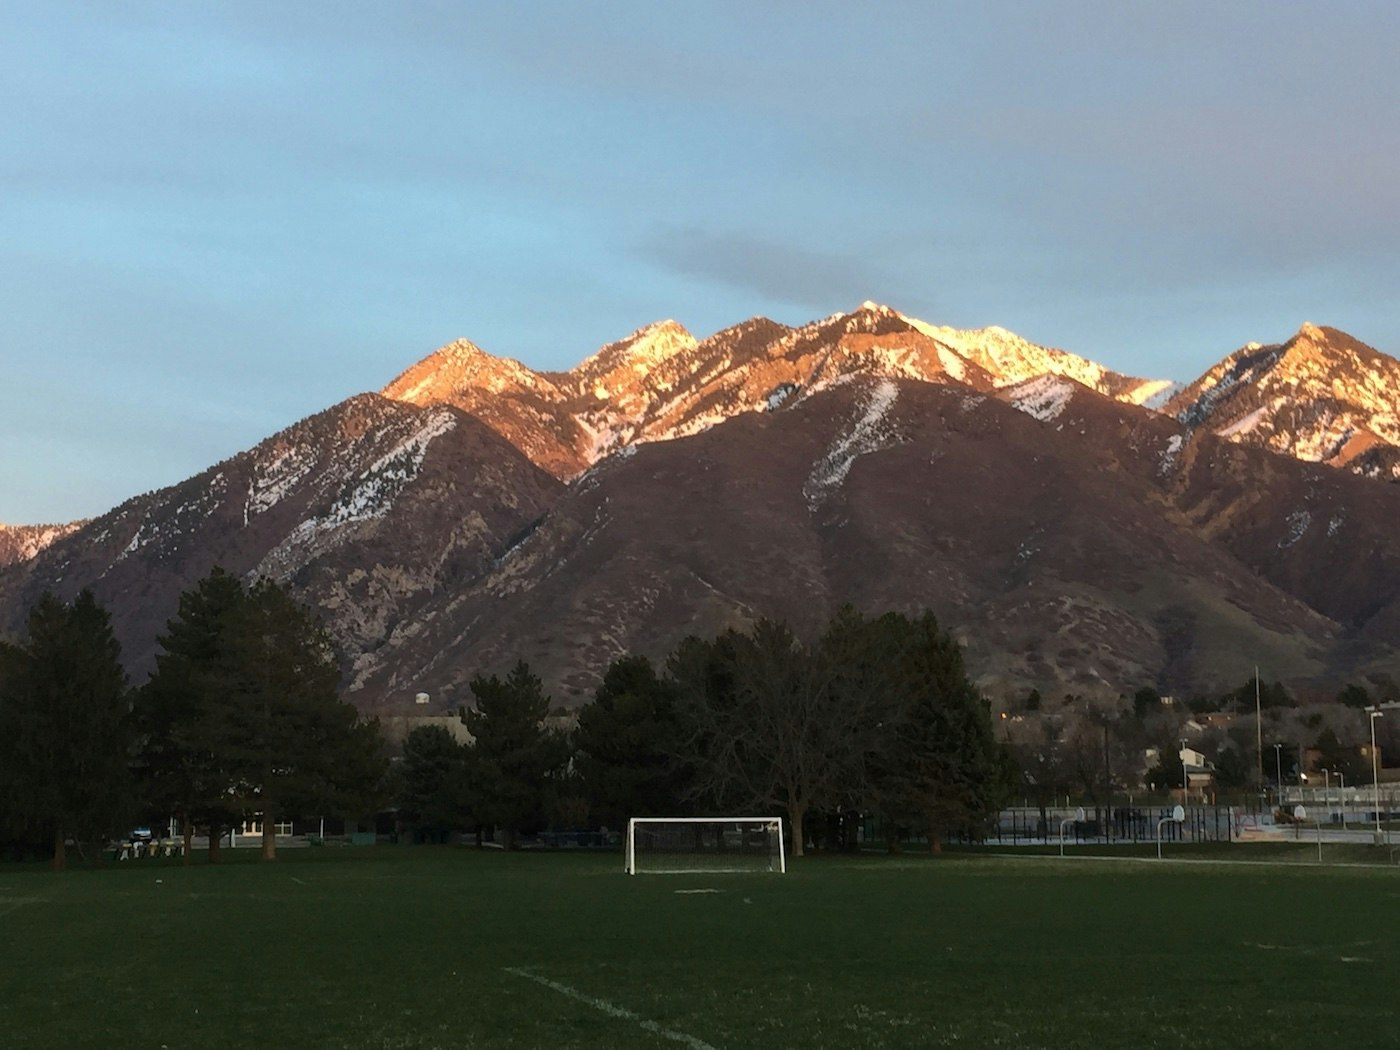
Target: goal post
{"points": [[704, 845]]}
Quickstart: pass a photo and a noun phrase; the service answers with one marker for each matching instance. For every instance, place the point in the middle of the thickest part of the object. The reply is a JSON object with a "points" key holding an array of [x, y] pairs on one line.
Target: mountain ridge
{"points": [[659, 382], [476, 506], [1320, 396]]}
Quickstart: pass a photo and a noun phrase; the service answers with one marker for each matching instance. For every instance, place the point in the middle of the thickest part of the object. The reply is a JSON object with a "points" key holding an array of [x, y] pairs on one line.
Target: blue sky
{"points": [[216, 219]]}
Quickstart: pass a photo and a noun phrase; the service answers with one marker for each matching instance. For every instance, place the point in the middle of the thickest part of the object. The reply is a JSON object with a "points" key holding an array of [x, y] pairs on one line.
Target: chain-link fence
{"points": [[1030, 825]]}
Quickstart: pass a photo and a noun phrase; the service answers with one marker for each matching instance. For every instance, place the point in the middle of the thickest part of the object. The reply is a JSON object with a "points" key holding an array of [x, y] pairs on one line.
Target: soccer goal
{"points": [[704, 845]]}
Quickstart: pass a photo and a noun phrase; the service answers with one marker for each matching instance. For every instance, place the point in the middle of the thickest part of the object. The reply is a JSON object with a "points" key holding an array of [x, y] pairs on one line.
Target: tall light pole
{"points": [[1258, 729], [1278, 772], [1376, 772], [1327, 788], [1342, 798], [1185, 783]]}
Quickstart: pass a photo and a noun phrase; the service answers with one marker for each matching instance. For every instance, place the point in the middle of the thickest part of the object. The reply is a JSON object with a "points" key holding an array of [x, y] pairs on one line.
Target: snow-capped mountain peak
{"points": [[1011, 359], [1321, 396], [460, 365], [620, 364]]}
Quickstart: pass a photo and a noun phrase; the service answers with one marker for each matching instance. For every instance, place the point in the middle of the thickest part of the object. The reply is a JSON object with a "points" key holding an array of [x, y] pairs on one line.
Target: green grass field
{"points": [[421, 947]]}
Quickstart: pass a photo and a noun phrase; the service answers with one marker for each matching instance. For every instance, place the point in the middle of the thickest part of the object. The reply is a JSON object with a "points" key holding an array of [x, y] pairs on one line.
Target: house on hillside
{"points": [[1198, 770], [1200, 774]]}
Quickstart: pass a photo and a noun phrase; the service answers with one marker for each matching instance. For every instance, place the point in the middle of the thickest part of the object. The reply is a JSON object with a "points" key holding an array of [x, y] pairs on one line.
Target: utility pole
{"points": [[1258, 729], [1376, 772], [1107, 785], [1342, 798]]}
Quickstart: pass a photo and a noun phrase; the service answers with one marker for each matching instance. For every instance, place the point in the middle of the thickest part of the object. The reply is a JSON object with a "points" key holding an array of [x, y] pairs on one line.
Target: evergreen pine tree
{"points": [[243, 714], [64, 726], [431, 779], [626, 745], [514, 757], [940, 767]]}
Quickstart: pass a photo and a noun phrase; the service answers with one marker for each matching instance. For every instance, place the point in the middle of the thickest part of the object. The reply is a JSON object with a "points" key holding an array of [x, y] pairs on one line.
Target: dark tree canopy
{"points": [[1353, 695], [1232, 768], [1146, 701], [764, 724], [1270, 695], [876, 713], [298, 748], [184, 710], [626, 745], [64, 727], [1344, 764], [432, 790], [515, 761], [940, 767], [243, 714], [1167, 775]]}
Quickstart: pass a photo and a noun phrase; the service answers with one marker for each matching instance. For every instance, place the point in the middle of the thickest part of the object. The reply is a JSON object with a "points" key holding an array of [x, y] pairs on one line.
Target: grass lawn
{"points": [[421, 947]]}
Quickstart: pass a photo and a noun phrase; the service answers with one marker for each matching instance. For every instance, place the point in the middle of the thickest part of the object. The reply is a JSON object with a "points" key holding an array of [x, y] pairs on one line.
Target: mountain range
{"points": [[1079, 529]]}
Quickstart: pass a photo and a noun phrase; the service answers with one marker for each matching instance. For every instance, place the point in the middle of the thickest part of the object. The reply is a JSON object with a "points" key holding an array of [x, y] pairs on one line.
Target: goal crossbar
{"points": [[705, 845]]}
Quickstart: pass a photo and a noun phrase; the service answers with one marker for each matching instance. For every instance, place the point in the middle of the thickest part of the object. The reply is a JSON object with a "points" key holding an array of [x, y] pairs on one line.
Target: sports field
{"points": [[440, 947]]}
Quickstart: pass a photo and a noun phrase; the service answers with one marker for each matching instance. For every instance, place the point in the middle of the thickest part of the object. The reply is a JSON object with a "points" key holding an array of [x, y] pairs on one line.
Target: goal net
{"points": [[708, 845]]}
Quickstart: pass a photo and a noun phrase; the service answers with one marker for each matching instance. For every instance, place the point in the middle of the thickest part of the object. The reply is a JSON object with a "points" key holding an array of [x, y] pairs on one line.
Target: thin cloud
{"points": [[768, 269]]}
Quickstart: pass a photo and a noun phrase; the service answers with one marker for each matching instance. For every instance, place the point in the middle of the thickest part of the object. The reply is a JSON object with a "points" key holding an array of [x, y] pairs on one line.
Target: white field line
{"points": [[1086, 858], [612, 1010], [9, 904]]}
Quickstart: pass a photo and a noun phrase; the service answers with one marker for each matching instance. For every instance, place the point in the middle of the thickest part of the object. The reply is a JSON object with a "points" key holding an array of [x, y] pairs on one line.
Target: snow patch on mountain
{"points": [[364, 496], [1044, 397], [374, 491], [168, 520], [954, 365], [901, 362], [1174, 446], [273, 479], [1155, 393], [697, 424], [1010, 358], [1245, 424], [778, 395], [22, 542], [1297, 526], [870, 431], [1221, 382]]}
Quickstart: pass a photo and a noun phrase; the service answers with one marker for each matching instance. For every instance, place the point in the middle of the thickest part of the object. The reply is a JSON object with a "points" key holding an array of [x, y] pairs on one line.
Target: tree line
{"points": [[241, 716], [876, 716]]}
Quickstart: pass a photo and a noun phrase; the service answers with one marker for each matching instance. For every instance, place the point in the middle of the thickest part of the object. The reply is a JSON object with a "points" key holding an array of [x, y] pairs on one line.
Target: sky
{"points": [[218, 218]]}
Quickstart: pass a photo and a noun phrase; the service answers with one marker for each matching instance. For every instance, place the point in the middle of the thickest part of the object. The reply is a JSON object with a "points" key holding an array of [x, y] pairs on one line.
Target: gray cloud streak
{"points": [[771, 269]]}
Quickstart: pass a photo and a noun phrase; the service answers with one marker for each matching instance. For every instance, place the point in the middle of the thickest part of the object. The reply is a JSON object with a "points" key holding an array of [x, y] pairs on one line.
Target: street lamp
{"points": [[1278, 771], [1185, 782], [1376, 773]]}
